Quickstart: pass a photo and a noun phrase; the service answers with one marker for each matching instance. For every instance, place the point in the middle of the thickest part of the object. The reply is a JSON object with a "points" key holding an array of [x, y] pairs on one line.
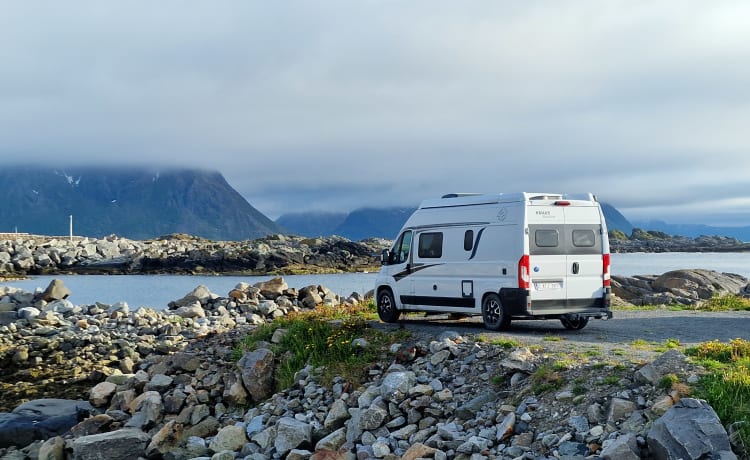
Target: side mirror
{"points": [[385, 257]]}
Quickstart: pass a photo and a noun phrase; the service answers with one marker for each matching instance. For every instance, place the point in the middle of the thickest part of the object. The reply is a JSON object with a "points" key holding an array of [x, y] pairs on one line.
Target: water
{"points": [[642, 263], [157, 291]]}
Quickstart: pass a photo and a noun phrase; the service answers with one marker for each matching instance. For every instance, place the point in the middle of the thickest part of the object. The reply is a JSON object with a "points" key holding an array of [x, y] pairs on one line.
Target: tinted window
{"points": [[548, 238], [584, 238], [468, 240], [400, 252], [430, 245]]}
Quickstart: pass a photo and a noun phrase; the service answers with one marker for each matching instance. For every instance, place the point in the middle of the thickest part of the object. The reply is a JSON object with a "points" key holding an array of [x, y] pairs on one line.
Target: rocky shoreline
{"points": [[276, 254], [165, 385], [653, 241], [183, 254]]}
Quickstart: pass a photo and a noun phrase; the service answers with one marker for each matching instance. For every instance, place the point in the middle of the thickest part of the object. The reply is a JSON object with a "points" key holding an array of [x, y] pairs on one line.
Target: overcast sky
{"points": [[335, 105]]}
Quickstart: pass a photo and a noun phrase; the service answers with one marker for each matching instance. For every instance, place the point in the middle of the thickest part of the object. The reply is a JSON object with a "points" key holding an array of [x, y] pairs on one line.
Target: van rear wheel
{"points": [[493, 314], [387, 310], [575, 324]]}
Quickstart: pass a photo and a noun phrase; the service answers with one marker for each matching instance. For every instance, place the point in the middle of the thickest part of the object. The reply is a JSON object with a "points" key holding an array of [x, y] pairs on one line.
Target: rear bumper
{"points": [[518, 303]]}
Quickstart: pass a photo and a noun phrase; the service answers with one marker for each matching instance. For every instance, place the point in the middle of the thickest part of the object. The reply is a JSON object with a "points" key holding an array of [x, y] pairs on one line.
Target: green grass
{"points": [[321, 338], [545, 378], [727, 386], [503, 342], [552, 338], [728, 302]]}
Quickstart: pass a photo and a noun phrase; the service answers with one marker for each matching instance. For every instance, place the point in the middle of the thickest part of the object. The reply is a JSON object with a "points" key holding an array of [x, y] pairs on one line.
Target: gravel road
{"points": [[688, 327]]}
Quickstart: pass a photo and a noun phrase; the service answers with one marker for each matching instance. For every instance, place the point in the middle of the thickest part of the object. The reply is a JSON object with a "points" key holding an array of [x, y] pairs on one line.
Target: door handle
{"points": [[576, 268]]}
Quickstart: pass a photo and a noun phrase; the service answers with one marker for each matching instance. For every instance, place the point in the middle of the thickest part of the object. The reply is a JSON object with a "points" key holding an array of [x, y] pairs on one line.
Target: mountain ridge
{"points": [[138, 203]]}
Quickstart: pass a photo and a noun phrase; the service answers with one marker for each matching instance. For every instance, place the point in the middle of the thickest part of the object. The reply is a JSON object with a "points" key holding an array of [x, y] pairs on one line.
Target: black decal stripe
{"points": [[476, 243], [462, 302], [404, 273]]}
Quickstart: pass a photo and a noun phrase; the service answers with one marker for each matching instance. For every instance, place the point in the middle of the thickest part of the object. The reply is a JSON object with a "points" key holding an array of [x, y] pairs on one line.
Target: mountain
{"points": [[615, 219], [374, 222], [695, 230], [136, 203], [386, 222], [357, 225], [312, 224]]}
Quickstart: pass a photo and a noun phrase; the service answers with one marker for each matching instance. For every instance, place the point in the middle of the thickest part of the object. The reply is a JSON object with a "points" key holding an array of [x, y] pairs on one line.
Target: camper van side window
{"points": [[430, 245], [469, 240], [584, 238], [547, 238]]}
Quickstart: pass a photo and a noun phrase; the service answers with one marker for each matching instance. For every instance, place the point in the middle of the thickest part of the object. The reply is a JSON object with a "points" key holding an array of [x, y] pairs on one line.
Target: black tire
{"points": [[493, 314], [575, 324], [387, 310]]}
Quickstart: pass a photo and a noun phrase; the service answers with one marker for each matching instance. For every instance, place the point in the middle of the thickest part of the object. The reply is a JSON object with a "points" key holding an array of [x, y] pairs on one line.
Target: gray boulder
{"points": [[125, 444], [291, 434], [40, 419], [257, 368], [56, 290], [690, 430]]}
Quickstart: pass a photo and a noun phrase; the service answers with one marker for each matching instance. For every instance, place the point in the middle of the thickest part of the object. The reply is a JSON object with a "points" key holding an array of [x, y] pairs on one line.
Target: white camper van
{"points": [[504, 256]]}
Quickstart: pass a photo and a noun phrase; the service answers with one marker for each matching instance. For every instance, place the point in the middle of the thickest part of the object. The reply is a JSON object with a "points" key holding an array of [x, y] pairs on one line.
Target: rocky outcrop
{"points": [[652, 241], [184, 254], [687, 287]]}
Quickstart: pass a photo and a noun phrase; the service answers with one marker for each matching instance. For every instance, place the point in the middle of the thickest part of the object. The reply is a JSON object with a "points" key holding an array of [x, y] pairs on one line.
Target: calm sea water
{"points": [[157, 291]]}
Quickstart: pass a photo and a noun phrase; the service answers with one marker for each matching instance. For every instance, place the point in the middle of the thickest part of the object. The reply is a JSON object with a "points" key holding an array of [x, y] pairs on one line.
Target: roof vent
{"points": [[459, 195]]}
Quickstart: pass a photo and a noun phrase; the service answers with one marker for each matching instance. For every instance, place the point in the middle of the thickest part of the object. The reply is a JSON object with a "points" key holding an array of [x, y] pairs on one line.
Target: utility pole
{"points": [[71, 227]]}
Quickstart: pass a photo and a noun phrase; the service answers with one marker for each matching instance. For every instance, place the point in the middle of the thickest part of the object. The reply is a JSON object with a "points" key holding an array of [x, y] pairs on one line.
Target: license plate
{"points": [[548, 286]]}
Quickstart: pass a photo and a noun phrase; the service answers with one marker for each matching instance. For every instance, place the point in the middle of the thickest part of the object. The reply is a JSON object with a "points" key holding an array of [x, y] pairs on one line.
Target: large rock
{"points": [[272, 288], [677, 286], [291, 434], [257, 369], [56, 290], [690, 430], [125, 444], [40, 419]]}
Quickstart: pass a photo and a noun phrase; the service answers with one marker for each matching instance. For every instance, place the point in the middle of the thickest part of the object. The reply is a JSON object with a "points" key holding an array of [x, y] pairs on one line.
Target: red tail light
{"points": [[605, 270], [524, 272], [562, 203]]}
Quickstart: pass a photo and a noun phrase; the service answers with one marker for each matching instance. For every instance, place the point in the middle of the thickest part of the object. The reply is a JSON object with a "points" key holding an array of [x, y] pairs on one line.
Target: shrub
{"points": [[728, 302]]}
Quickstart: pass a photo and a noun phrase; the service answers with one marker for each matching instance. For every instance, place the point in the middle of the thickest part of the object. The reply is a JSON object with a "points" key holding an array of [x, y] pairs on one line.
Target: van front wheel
{"points": [[575, 324], [387, 310], [494, 316]]}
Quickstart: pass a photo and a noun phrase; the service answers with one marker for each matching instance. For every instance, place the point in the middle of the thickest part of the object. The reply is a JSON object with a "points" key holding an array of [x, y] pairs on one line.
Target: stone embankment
{"points": [[184, 254], [687, 287], [167, 385]]}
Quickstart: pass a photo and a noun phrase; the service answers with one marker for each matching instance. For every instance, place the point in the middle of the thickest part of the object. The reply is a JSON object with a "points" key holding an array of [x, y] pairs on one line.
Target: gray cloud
{"points": [[336, 105]]}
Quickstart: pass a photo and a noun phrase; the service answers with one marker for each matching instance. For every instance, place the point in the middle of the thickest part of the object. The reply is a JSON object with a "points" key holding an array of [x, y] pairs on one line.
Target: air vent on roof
{"points": [[545, 197], [458, 195]]}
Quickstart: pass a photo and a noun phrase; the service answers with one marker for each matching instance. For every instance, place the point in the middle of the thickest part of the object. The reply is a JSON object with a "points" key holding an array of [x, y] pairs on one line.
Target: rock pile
{"points": [[183, 254], [169, 388], [687, 287], [452, 398], [45, 337]]}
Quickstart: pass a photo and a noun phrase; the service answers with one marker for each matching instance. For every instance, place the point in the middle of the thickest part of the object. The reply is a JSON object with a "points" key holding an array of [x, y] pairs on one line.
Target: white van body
{"points": [[502, 256]]}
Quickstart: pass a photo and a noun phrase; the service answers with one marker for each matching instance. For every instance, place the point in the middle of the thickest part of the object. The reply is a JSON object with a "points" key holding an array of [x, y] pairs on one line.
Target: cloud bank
{"points": [[335, 105]]}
